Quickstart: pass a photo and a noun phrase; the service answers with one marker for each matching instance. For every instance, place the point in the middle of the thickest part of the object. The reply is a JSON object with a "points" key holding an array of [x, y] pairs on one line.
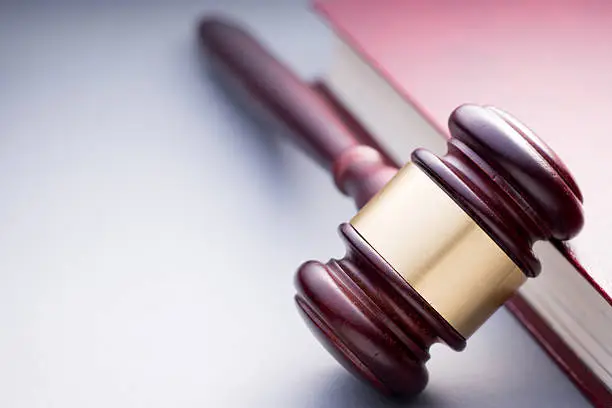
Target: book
{"points": [[401, 66]]}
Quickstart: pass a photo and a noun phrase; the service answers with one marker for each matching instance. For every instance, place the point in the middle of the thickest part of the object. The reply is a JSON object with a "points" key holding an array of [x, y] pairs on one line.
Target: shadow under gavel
{"points": [[437, 246]]}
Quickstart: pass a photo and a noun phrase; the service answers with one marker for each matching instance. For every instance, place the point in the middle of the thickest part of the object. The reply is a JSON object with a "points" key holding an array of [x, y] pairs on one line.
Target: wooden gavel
{"points": [[437, 245]]}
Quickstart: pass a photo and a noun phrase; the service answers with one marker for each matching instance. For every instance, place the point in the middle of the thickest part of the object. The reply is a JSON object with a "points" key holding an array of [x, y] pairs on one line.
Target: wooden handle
{"points": [[288, 98], [359, 169]]}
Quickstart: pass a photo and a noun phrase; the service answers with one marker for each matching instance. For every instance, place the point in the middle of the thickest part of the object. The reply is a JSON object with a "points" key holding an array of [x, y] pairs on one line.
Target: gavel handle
{"points": [[359, 170]]}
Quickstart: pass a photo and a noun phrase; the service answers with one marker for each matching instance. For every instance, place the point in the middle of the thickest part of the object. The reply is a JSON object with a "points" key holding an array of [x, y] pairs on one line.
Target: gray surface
{"points": [[148, 238]]}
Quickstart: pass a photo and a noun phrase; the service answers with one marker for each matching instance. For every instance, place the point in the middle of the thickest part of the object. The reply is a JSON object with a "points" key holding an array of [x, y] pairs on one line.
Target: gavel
{"points": [[437, 245]]}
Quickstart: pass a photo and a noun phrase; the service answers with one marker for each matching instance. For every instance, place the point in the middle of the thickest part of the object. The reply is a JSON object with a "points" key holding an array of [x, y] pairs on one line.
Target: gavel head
{"points": [[435, 252]]}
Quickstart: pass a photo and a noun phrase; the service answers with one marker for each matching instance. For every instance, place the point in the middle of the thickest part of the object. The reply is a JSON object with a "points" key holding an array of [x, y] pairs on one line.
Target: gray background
{"points": [[149, 232]]}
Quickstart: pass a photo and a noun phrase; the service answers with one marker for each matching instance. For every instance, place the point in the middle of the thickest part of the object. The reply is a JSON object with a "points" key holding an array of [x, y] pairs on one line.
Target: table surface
{"points": [[149, 231]]}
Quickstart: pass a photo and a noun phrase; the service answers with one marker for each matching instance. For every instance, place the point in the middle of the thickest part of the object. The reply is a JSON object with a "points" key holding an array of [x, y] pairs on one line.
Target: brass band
{"points": [[438, 249]]}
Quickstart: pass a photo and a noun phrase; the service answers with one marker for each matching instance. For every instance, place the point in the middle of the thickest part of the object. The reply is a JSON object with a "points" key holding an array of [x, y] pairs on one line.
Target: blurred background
{"points": [[149, 230]]}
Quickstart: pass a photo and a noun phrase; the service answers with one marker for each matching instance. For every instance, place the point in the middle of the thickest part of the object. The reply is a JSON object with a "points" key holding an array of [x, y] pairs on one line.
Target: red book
{"points": [[401, 66]]}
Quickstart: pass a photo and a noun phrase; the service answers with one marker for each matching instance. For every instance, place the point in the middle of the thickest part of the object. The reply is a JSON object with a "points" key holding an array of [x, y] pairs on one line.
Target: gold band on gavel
{"points": [[438, 249]]}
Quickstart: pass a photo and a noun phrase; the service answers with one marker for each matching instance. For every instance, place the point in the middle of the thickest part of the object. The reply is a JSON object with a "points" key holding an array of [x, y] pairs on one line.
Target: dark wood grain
{"points": [[516, 192], [496, 170], [358, 170], [370, 319]]}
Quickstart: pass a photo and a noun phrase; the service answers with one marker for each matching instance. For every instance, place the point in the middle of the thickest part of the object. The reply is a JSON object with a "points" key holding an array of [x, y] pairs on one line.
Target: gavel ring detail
{"points": [[437, 246]]}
